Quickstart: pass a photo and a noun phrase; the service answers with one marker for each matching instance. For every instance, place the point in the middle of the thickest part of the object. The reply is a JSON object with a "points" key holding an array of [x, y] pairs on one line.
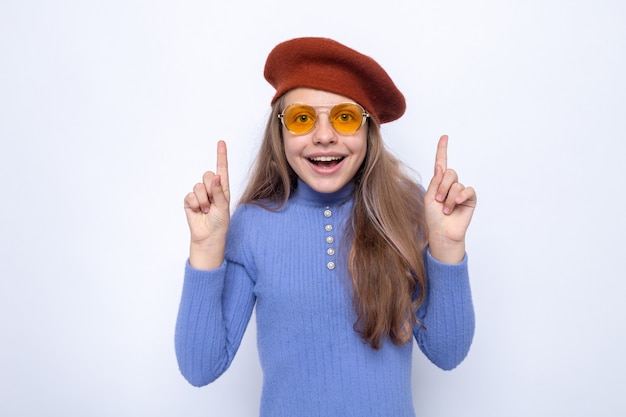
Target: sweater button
{"points": [[330, 251], [330, 240], [328, 227], [330, 265], [328, 213]]}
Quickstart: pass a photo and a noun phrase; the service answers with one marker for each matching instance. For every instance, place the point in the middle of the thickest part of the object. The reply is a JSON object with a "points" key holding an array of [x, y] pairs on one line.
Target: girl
{"points": [[346, 258]]}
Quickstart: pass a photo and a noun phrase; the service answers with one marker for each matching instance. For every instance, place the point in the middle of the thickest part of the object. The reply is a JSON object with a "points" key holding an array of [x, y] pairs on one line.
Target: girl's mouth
{"points": [[326, 161]]}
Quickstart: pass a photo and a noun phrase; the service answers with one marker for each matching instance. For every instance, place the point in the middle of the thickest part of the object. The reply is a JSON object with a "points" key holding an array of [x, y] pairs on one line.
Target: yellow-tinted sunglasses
{"points": [[345, 118]]}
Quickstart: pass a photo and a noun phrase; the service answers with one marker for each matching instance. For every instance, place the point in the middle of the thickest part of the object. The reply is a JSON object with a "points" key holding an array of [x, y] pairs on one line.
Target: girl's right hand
{"points": [[208, 214]]}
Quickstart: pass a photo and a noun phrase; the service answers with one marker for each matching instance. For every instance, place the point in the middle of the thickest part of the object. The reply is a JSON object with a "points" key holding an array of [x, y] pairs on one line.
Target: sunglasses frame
{"points": [[365, 115]]}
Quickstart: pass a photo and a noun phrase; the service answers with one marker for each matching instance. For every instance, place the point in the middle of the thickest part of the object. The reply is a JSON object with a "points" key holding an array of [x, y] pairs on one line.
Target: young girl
{"points": [[346, 258]]}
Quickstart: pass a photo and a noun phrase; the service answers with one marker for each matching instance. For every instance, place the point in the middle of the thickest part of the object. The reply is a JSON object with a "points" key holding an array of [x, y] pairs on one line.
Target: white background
{"points": [[110, 112]]}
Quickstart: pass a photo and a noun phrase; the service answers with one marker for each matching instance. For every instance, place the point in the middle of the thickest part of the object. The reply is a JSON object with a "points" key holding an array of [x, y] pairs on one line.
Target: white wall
{"points": [[110, 111]]}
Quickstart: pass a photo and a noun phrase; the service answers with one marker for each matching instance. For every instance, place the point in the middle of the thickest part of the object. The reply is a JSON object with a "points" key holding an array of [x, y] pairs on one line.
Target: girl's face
{"points": [[323, 158]]}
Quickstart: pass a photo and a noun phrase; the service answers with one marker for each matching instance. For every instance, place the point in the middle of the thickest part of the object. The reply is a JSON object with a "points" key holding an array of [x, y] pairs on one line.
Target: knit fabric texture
{"points": [[324, 64], [291, 264]]}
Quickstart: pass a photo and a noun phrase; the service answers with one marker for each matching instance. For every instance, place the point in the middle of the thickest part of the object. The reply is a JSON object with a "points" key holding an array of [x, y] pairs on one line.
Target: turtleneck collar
{"points": [[304, 193]]}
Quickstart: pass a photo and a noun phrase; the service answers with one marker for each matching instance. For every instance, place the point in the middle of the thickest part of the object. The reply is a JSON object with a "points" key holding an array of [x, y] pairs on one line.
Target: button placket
{"points": [[330, 239]]}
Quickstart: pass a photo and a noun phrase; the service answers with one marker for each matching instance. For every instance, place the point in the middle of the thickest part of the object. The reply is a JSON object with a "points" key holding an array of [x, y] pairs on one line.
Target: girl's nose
{"points": [[323, 132]]}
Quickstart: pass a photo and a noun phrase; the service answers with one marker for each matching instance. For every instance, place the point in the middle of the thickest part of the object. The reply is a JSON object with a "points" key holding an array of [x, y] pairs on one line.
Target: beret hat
{"points": [[324, 64]]}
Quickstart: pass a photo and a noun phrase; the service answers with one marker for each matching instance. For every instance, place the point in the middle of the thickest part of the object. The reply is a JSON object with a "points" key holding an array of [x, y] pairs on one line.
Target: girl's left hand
{"points": [[449, 206]]}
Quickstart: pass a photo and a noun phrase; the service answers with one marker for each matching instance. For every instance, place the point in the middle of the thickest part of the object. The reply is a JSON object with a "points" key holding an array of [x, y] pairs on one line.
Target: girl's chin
{"points": [[326, 186]]}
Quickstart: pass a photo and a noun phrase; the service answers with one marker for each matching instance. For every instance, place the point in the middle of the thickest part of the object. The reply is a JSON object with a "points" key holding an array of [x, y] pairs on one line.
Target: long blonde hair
{"points": [[387, 230]]}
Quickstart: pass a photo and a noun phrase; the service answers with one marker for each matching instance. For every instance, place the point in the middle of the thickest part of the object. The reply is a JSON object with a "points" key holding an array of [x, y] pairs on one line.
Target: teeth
{"points": [[326, 158]]}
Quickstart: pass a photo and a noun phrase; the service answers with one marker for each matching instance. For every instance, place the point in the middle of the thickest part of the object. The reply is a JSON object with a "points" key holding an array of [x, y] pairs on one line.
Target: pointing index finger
{"points": [[222, 165], [441, 159]]}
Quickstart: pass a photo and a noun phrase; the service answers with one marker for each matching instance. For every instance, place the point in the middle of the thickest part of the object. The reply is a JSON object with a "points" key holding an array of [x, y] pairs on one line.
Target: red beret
{"points": [[324, 64]]}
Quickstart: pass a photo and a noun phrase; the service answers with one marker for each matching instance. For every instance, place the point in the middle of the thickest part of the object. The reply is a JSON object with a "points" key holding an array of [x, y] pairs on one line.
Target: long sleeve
{"points": [[214, 311], [447, 314]]}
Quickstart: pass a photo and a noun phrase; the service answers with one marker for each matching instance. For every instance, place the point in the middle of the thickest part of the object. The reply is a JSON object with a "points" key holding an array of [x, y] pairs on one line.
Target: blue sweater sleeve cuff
{"points": [[190, 270], [443, 274], [201, 277]]}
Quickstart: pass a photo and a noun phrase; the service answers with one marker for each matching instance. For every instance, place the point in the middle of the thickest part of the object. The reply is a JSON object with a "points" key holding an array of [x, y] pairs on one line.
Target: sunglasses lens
{"points": [[299, 118], [346, 117]]}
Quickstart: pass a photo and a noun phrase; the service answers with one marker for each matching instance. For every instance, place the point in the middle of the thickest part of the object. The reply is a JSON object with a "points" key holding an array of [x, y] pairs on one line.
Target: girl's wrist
{"points": [[445, 250]]}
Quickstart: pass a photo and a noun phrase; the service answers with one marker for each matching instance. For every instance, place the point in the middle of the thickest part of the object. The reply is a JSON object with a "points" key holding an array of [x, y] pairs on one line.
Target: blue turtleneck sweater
{"points": [[291, 264]]}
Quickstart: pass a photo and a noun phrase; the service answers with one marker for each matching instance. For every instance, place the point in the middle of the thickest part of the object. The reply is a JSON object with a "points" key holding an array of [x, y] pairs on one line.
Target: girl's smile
{"points": [[326, 163]]}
